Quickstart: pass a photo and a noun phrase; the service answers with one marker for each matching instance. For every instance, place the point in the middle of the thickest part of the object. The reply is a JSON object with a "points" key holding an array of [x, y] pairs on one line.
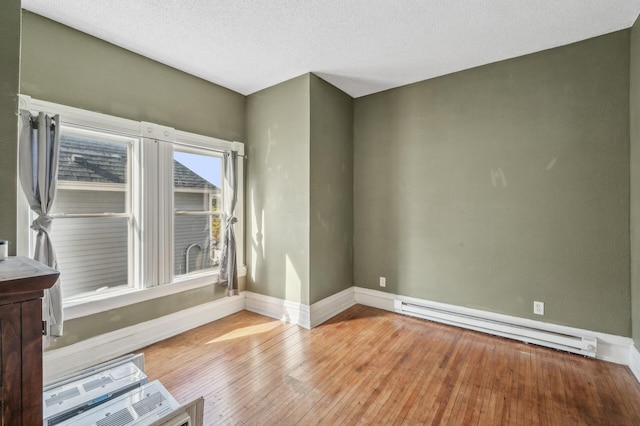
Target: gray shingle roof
{"points": [[82, 160], [183, 177]]}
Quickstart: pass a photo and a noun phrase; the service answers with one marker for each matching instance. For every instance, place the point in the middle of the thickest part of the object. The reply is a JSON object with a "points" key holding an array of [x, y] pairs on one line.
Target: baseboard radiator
{"points": [[582, 345]]}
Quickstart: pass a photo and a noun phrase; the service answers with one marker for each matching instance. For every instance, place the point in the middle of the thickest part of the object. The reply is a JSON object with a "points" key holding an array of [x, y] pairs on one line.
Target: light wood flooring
{"points": [[368, 366]]}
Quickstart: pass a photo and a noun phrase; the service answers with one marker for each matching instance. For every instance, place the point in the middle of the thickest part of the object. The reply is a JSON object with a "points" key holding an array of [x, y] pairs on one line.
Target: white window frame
{"points": [[149, 249]]}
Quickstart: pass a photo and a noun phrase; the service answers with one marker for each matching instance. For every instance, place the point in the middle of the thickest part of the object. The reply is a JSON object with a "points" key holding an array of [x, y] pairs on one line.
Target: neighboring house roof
{"points": [[106, 162], [183, 177]]}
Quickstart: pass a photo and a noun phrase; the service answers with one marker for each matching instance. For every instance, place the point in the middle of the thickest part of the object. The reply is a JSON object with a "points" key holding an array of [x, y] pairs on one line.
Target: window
{"points": [[138, 206]]}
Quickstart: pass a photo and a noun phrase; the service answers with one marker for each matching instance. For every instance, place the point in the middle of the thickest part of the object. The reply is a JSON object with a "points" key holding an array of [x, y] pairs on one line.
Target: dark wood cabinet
{"points": [[22, 284]]}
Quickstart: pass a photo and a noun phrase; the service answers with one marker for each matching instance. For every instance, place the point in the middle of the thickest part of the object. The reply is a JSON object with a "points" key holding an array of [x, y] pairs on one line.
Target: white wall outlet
{"points": [[383, 282], [538, 308]]}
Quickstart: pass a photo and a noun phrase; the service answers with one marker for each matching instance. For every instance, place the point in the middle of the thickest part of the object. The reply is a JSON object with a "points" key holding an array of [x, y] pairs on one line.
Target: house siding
{"points": [[92, 252]]}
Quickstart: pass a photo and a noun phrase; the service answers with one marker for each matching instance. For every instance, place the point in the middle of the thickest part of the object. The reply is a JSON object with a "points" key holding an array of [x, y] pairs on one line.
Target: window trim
{"points": [[118, 299], [149, 133]]}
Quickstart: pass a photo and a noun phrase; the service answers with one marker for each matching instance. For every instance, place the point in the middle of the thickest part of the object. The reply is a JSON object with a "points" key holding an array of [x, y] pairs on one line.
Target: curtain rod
{"points": [[139, 136]]}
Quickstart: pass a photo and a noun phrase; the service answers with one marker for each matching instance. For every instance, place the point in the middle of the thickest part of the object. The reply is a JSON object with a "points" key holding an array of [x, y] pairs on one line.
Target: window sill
{"points": [[96, 303]]}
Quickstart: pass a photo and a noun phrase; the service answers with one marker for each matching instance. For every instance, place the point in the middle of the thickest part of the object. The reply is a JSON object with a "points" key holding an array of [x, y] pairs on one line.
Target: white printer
{"points": [[115, 393]]}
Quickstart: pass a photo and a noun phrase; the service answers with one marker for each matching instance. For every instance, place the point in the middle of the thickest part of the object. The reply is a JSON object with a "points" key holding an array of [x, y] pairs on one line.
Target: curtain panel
{"points": [[38, 154], [228, 261]]}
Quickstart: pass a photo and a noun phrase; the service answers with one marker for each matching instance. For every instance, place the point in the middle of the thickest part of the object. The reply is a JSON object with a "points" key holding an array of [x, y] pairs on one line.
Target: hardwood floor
{"points": [[368, 366]]}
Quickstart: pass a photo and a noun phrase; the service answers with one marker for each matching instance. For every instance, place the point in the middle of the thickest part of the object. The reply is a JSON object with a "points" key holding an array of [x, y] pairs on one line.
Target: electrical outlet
{"points": [[538, 308], [383, 282]]}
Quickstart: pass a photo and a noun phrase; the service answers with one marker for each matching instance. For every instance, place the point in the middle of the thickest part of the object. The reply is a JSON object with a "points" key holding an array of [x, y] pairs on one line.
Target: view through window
{"points": [[92, 210], [197, 178]]}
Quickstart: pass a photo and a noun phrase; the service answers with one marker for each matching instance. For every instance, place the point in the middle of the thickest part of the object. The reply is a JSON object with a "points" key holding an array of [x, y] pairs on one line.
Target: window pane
{"points": [[92, 253], [193, 241], [93, 178], [197, 238], [92, 162]]}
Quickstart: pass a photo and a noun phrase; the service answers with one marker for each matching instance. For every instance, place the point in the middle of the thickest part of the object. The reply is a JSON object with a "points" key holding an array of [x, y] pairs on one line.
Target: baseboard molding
{"points": [[634, 362], [332, 306], [612, 348], [273, 307], [375, 298], [69, 359], [298, 313]]}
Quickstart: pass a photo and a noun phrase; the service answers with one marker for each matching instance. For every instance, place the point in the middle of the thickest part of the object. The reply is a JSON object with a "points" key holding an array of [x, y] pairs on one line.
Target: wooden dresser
{"points": [[22, 284]]}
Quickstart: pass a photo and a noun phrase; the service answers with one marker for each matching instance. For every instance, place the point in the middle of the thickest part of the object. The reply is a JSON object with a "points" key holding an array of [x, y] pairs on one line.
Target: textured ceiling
{"points": [[360, 46]]}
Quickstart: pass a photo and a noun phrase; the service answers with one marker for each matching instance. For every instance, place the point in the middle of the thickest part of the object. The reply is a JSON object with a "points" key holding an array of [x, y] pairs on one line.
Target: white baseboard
{"points": [[332, 306], [375, 298], [273, 307], [634, 362], [612, 348], [69, 359], [298, 313]]}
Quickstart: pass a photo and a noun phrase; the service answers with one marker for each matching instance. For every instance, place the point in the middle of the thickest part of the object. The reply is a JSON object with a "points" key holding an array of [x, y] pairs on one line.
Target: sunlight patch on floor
{"points": [[246, 331]]}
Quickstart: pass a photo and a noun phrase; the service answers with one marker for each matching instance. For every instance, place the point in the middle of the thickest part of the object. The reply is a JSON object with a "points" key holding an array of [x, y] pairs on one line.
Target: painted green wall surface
{"points": [[277, 191], [501, 185], [10, 23], [300, 190], [331, 190], [62, 65], [634, 126]]}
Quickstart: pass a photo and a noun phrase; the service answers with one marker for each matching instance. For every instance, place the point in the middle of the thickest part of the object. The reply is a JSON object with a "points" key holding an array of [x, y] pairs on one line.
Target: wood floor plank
{"points": [[475, 382], [420, 409], [368, 366], [344, 376]]}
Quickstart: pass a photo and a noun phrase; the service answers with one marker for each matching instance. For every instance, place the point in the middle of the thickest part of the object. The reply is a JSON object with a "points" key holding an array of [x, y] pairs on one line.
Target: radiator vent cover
{"points": [[526, 331], [119, 418]]}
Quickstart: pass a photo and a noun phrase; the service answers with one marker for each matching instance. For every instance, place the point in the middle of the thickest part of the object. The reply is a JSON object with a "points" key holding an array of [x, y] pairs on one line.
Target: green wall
{"points": [[277, 191], [635, 180], [10, 24], [331, 190], [501, 185], [62, 65], [65, 66], [300, 190]]}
